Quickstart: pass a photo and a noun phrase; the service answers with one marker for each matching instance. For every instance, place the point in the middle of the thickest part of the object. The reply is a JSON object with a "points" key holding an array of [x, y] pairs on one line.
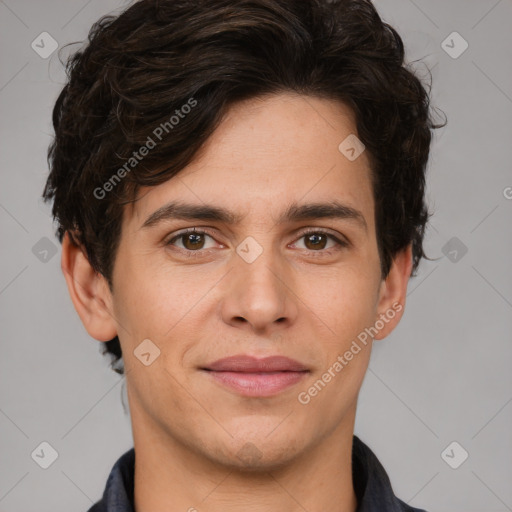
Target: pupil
{"points": [[194, 239], [313, 237]]}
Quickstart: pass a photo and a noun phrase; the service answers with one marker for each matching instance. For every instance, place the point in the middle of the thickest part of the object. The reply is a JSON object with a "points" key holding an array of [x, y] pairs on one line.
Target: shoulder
{"points": [[372, 484], [118, 493]]}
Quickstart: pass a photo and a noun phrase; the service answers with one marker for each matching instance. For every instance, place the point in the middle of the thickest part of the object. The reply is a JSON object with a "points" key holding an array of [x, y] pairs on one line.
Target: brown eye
{"points": [[191, 240], [316, 240]]}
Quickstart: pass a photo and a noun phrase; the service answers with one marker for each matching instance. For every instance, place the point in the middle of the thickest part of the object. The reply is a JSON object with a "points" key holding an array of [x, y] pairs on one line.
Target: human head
{"points": [[193, 60]]}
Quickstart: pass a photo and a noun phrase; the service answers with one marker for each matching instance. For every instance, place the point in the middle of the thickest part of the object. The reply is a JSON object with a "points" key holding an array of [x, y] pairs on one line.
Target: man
{"points": [[239, 188]]}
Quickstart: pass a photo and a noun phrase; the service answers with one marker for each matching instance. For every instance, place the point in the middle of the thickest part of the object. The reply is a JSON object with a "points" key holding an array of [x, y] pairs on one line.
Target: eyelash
{"points": [[201, 252]]}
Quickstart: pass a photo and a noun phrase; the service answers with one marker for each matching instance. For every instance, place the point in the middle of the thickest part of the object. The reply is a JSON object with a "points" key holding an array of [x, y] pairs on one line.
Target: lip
{"points": [[250, 364], [256, 377]]}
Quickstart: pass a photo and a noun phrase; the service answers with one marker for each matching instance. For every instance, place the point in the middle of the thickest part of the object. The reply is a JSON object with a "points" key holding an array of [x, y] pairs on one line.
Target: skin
{"points": [[295, 299]]}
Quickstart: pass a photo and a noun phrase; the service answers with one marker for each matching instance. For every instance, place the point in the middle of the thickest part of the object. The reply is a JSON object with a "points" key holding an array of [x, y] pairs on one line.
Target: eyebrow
{"points": [[295, 212]]}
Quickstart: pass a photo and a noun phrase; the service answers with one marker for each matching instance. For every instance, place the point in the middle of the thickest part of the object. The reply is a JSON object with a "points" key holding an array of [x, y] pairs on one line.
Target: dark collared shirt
{"points": [[371, 484]]}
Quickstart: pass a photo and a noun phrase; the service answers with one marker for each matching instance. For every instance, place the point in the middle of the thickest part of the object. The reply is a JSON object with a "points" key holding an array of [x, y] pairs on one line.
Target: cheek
{"points": [[154, 301], [142, 299], [344, 300], [348, 307]]}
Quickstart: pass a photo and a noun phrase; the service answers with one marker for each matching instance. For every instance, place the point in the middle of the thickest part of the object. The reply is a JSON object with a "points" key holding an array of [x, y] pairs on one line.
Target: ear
{"points": [[393, 291], [89, 292]]}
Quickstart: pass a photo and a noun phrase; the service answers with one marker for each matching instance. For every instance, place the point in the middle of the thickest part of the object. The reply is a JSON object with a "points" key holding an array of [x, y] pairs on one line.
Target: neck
{"points": [[172, 477]]}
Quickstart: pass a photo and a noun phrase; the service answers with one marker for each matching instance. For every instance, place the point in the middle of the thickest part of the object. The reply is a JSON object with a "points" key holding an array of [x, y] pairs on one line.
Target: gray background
{"points": [[442, 376]]}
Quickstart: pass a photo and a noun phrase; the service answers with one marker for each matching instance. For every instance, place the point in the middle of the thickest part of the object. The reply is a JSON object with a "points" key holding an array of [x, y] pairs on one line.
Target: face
{"points": [[277, 279]]}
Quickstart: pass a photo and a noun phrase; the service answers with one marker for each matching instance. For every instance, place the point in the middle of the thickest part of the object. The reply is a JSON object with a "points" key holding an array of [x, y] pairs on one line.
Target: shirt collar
{"points": [[371, 484]]}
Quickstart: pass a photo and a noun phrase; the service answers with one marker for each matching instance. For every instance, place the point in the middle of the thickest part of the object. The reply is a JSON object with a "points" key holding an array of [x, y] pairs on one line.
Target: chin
{"points": [[258, 453]]}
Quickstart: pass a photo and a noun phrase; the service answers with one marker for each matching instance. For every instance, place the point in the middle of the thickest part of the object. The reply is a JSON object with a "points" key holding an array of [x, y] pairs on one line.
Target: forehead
{"points": [[267, 154]]}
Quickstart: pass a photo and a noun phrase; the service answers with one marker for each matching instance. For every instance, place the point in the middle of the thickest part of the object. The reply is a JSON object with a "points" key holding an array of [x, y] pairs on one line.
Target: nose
{"points": [[258, 291]]}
